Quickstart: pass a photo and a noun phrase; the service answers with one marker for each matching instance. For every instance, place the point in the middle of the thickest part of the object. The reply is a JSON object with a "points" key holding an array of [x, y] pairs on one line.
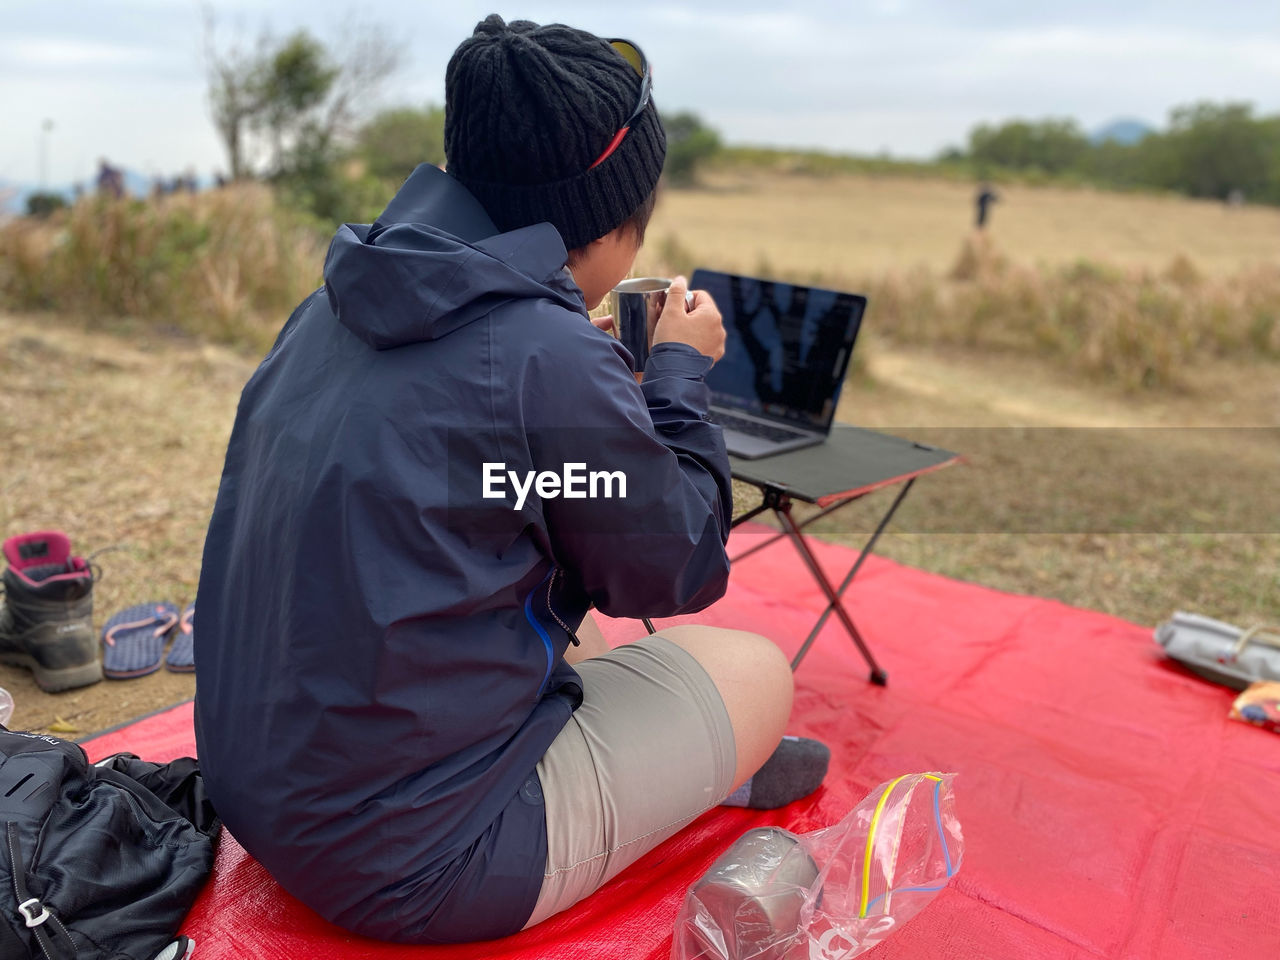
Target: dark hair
{"points": [[637, 223]]}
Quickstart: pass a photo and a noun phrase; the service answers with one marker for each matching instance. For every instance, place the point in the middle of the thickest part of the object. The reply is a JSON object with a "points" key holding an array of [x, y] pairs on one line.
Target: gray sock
{"points": [[795, 770]]}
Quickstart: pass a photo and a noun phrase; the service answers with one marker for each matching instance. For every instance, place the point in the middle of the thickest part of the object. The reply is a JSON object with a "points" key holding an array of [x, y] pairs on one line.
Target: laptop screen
{"points": [[787, 347]]}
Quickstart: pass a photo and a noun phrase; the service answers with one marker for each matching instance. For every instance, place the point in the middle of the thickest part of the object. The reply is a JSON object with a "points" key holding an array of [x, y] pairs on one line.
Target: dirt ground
{"points": [[1162, 501]]}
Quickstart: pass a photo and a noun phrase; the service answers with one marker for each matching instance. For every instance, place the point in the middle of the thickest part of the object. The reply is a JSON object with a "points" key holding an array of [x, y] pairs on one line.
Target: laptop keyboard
{"points": [[766, 431]]}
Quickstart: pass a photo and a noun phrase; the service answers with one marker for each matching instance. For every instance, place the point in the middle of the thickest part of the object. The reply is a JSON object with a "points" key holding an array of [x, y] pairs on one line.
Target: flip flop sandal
{"points": [[133, 640], [182, 655]]}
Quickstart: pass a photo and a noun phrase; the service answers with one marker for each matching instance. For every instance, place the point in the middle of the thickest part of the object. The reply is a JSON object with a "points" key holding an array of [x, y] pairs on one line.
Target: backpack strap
{"points": [[55, 943], [1258, 633]]}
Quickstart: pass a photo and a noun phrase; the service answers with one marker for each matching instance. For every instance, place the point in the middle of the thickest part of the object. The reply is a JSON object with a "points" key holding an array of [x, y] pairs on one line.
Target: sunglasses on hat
{"points": [[634, 56]]}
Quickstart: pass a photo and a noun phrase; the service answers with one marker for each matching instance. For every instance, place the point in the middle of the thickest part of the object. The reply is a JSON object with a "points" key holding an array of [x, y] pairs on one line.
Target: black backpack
{"points": [[98, 861]]}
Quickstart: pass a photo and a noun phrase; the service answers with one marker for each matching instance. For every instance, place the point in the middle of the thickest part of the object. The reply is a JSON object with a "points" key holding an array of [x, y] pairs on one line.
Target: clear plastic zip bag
{"points": [[830, 894]]}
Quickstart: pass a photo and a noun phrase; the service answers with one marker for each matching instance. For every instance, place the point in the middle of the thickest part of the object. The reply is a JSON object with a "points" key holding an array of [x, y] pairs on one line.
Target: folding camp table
{"points": [[852, 463]]}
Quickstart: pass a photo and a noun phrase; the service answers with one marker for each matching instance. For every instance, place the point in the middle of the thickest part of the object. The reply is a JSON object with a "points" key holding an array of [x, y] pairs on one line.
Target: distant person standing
{"points": [[986, 196], [110, 180]]}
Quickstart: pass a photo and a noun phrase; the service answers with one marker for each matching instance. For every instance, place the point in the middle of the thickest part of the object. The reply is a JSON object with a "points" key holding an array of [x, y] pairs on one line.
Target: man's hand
{"points": [[699, 325]]}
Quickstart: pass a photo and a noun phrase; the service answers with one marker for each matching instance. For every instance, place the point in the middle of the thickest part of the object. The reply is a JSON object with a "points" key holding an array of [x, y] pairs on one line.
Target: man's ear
{"points": [[578, 254], [613, 237]]}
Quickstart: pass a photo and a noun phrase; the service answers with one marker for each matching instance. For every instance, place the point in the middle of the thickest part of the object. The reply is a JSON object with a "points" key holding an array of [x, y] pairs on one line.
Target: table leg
{"points": [[780, 503], [866, 551], [832, 508], [753, 512], [878, 676]]}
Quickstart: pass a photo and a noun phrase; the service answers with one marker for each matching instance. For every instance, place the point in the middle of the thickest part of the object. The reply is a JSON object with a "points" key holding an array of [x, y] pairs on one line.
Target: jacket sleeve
{"points": [[658, 550]]}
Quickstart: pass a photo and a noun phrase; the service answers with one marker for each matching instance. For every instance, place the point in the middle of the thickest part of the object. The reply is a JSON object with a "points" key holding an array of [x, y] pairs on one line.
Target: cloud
{"points": [[1129, 46], [911, 75], [760, 30], [42, 53]]}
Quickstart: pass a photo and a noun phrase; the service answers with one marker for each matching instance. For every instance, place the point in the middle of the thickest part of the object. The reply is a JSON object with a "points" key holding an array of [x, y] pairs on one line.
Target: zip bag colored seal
{"points": [[830, 894]]}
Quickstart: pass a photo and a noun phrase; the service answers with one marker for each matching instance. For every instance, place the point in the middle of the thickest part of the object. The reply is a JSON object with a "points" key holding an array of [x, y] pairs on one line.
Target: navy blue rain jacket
{"points": [[380, 645]]}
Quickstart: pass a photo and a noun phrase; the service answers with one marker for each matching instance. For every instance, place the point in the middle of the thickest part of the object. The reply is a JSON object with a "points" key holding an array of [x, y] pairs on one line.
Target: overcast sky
{"points": [[125, 78]]}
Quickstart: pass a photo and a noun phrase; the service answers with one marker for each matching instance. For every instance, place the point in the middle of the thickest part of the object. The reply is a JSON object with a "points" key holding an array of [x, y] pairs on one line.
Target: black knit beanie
{"points": [[529, 108]]}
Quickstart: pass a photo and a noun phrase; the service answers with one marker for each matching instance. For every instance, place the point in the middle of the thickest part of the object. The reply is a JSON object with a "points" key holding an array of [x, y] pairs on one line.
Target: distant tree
{"points": [[43, 203], [292, 86], [1051, 145], [395, 141], [1216, 148], [234, 78], [1122, 164], [689, 143], [1209, 150], [294, 99], [1270, 192]]}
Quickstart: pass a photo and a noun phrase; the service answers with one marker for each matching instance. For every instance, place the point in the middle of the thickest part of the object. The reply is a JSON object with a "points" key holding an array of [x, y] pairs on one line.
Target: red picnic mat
{"points": [[1109, 807]]}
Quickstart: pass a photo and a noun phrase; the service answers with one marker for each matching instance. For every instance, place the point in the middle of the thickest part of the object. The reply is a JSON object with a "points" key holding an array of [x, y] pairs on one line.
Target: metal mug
{"points": [[752, 897], [636, 305]]}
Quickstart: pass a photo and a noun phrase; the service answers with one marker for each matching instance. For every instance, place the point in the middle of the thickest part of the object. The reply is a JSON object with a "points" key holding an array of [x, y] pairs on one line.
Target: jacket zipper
{"points": [[546, 640], [563, 626]]}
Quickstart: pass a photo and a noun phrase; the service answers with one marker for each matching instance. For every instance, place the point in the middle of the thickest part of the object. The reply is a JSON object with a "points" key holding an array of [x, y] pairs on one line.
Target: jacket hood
{"points": [[434, 261]]}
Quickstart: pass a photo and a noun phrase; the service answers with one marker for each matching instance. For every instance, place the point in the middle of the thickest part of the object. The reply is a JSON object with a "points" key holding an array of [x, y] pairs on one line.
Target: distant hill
{"points": [[1122, 131]]}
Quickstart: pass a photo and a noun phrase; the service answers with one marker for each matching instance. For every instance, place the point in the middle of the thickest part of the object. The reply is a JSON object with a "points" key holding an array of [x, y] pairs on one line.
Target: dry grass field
{"points": [[1127, 289], [858, 227], [1135, 502]]}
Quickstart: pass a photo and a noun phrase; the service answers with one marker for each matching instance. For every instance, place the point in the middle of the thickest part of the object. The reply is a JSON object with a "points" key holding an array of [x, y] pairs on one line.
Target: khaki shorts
{"points": [[649, 749]]}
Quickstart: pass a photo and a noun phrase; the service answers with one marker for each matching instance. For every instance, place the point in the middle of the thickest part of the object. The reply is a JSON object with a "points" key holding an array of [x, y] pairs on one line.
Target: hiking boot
{"points": [[46, 623]]}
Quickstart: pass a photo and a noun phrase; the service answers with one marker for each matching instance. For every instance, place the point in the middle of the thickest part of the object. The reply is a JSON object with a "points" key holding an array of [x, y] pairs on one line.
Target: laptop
{"points": [[787, 350]]}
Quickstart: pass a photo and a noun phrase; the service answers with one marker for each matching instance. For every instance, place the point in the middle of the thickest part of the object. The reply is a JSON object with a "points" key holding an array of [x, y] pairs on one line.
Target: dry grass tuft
{"points": [[228, 266], [1130, 326], [224, 266], [978, 258]]}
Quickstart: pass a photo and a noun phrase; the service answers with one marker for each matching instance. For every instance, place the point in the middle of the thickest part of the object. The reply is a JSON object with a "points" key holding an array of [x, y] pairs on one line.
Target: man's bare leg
{"points": [[755, 683], [752, 675]]}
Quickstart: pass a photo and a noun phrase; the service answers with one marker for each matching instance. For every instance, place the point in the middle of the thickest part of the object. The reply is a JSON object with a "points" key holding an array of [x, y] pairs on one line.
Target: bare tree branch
{"points": [[367, 55], [235, 92]]}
